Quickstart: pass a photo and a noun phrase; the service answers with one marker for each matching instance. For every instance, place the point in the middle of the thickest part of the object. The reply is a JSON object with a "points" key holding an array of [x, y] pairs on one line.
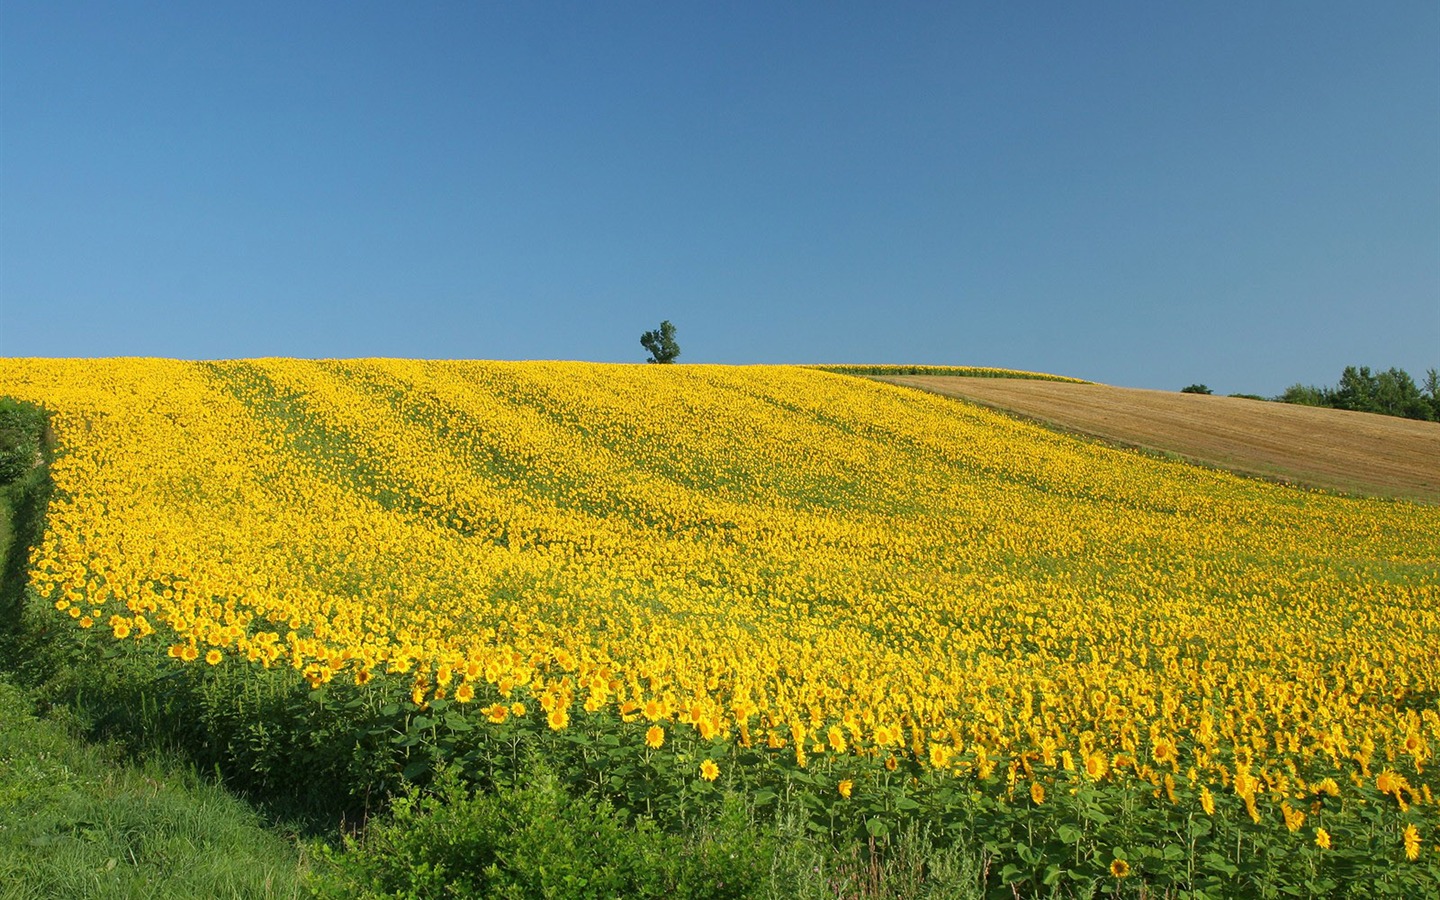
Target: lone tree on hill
{"points": [[661, 344], [1196, 389]]}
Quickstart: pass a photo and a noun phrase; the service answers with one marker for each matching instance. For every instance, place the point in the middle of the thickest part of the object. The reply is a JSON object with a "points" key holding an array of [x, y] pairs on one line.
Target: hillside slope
{"points": [[1328, 448], [799, 563]]}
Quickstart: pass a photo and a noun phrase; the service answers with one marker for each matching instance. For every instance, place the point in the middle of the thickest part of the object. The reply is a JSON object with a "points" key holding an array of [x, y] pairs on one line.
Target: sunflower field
{"points": [[884, 608]]}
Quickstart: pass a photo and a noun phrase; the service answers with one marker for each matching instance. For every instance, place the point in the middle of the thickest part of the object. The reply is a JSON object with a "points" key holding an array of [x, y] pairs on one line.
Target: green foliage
{"points": [[1196, 389], [22, 430], [536, 840], [661, 344], [1304, 395]]}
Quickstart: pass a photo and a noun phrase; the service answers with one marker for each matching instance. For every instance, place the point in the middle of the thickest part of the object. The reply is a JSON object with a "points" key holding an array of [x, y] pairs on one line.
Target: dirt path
{"points": [[1346, 451]]}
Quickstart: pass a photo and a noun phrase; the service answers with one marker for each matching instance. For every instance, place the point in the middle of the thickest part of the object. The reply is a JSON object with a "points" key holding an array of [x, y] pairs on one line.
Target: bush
{"points": [[22, 426], [538, 841]]}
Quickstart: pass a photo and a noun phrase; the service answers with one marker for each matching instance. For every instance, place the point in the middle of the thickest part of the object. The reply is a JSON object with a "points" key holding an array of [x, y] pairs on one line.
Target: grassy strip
{"points": [[957, 371], [77, 821]]}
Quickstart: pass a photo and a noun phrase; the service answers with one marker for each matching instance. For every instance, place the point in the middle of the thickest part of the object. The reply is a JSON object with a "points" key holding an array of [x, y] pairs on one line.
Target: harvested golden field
{"points": [[1328, 448], [819, 570]]}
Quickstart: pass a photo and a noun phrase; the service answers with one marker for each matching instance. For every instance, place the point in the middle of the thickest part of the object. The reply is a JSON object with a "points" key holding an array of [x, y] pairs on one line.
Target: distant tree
{"points": [[1396, 394], [1196, 389], [1304, 395], [661, 343], [1356, 390], [1432, 392]]}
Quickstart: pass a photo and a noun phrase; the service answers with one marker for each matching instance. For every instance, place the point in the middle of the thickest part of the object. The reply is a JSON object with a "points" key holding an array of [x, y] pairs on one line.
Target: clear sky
{"points": [[1145, 194]]}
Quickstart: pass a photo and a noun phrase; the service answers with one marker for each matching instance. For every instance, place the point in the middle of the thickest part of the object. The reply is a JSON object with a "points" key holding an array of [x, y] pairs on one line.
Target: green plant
{"points": [[536, 840], [661, 344], [22, 427]]}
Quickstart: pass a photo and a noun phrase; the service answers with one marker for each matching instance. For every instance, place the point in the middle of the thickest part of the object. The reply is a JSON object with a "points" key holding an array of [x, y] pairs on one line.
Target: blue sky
{"points": [[1146, 194]]}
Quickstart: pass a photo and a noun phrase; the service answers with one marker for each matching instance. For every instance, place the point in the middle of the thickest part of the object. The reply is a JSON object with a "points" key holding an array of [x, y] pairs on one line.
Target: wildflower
{"points": [[1322, 839], [846, 787], [1119, 868], [654, 737], [709, 771], [1412, 842]]}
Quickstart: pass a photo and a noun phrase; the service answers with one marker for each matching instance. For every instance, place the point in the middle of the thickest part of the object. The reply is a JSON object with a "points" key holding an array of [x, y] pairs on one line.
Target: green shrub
{"points": [[22, 427], [536, 840]]}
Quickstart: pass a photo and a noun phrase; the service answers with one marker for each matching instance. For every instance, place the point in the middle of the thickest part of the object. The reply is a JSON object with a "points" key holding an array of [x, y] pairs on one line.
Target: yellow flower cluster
{"points": [[774, 556]]}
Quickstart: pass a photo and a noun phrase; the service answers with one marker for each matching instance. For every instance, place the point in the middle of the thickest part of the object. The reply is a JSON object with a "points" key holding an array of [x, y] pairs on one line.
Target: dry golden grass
{"points": [[1327, 448]]}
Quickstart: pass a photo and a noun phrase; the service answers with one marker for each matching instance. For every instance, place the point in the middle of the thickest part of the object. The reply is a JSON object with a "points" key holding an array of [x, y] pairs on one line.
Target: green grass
{"points": [[77, 821]]}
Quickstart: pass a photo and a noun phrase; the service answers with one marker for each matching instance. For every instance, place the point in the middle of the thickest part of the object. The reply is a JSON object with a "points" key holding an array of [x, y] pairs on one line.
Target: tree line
{"points": [[1391, 392]]}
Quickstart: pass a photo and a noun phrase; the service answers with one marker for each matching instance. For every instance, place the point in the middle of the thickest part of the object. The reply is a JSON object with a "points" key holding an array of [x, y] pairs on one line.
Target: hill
{"points": [[882, 607], [1352, 452]]}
